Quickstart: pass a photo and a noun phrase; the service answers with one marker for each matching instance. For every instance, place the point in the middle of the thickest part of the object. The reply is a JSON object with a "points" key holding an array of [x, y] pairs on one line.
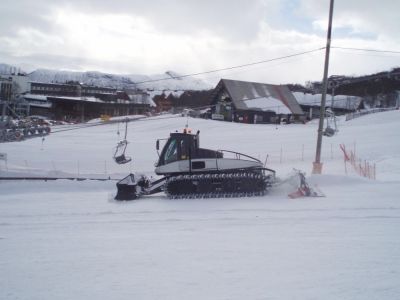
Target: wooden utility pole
{"points": [[317, 165]]}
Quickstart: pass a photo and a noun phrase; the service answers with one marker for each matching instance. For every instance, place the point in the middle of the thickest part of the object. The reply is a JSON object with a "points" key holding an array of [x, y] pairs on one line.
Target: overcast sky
{"points": [[188, 36]]}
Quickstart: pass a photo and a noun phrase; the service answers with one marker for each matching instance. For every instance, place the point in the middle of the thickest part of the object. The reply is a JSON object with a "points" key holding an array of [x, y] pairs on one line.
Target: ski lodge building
{"points": [[252, 102], [77, 102]]}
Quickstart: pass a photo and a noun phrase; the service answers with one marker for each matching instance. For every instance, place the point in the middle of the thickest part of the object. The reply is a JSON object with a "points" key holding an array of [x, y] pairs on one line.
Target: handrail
{"points": [[238, 155]]}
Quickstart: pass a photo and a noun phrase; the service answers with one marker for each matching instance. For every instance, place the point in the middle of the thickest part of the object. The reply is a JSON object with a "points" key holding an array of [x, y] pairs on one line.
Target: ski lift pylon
{"points": [[119, 154]]}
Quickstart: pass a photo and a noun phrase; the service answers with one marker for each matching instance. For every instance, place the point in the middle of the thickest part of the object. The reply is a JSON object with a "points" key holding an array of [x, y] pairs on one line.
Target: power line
{"points": [[367, 50], [233, 67], [83, 126], [265, 61], [100, 123]]}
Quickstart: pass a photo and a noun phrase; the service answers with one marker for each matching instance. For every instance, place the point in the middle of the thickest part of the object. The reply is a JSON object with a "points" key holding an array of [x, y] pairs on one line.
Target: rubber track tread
{"points": [[220, 185]]}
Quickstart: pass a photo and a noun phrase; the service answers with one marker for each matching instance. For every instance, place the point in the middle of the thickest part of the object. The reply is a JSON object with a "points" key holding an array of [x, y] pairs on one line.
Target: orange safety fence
{"points": [[361, 167]]}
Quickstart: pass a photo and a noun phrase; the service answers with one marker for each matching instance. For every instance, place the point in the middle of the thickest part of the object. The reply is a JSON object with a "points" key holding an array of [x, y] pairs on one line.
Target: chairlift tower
{"points": [[317, 165]]}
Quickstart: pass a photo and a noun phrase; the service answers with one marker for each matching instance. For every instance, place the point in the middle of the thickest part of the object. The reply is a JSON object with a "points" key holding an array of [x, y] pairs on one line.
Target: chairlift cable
{"points": [[126, 128], [83, 126], [366, 50], [234, 67]]}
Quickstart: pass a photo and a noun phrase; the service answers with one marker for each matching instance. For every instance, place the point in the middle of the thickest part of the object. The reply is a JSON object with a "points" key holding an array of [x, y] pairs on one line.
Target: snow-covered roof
{"points": [[86, 99], [45, 98], [37, 100], [35, 97], [260, 96], [141, 99], [338, 101], [268, 104], [42, 105]]}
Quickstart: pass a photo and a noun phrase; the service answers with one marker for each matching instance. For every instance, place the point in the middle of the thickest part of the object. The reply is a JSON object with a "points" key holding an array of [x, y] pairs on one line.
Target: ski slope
{"points": [[69, 240]]}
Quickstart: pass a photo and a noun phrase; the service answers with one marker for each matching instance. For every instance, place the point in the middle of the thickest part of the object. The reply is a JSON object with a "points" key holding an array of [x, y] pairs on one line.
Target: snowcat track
{"points": [[219, 185]]}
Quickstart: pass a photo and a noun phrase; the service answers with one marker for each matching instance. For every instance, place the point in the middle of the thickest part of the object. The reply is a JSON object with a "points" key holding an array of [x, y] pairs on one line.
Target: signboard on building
{"points": [[217, 117]]}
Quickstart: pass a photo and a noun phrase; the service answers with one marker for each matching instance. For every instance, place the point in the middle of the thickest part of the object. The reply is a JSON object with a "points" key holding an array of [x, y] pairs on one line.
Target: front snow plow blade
{"points": [[127, 188], [130, 188]]}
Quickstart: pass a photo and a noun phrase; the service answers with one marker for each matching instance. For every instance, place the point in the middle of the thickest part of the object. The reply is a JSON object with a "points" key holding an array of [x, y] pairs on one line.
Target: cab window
{"points": [[172, 152], [184, 154]]}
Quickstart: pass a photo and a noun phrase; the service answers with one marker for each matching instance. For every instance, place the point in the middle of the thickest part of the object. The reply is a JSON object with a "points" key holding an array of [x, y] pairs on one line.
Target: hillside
{"points": [[378, 90], [70, 240]]}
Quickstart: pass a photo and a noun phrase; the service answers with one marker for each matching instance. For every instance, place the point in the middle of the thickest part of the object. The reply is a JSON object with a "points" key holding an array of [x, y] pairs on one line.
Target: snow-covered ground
{"points": [[69, 240]]}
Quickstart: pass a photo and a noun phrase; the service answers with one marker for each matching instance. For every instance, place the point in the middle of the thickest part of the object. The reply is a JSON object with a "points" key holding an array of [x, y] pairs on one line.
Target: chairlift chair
{"points": [[119, 154], [330, 119], [329, 131]]}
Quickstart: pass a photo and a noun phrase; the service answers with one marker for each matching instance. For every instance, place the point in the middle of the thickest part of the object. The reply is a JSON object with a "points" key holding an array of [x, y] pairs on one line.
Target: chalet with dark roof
{"points": [[252, 102]]}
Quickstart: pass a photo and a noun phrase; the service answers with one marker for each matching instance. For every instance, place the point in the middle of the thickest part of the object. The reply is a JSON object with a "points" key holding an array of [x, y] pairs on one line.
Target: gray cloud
{"points": [[229, 19], [205, 35], [232, 20], [21, 14], [368, 17]]}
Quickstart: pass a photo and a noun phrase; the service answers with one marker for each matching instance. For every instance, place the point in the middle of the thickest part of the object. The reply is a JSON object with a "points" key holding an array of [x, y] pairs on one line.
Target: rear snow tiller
{"points": [[193, 172]]}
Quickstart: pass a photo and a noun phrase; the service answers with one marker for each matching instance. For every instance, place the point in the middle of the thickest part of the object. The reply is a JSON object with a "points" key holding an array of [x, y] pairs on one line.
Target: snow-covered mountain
{"points": [[167, 81], [6, 69]]}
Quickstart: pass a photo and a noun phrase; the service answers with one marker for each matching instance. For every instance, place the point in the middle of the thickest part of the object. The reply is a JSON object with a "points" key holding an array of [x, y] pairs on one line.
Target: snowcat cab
{"points": [[183, 149], [179, 146]]}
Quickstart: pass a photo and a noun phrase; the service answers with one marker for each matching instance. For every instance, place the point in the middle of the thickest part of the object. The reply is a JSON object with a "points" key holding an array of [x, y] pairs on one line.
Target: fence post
{"points": [[26, 164], [354, 149], [54, 166], [345, 156], [365, 169], [266, 161], [78, 167]]}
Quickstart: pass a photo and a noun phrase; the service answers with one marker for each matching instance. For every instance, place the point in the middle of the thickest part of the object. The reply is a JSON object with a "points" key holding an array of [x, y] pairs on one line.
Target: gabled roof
{"points": [[260, 96]]}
